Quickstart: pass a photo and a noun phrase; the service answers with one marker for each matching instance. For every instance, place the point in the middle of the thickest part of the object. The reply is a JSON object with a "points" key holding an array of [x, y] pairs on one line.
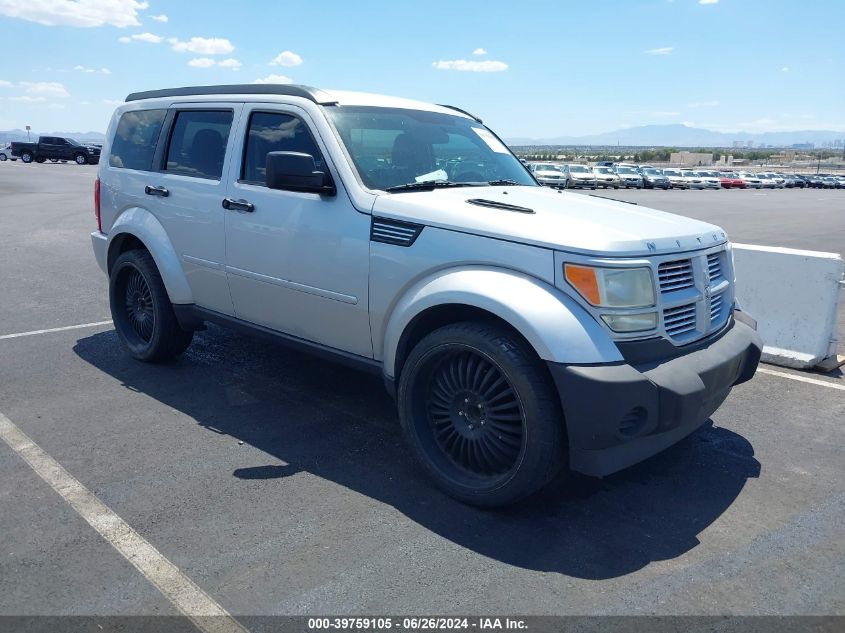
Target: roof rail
{"points": [[451, 107], [291, 90]]}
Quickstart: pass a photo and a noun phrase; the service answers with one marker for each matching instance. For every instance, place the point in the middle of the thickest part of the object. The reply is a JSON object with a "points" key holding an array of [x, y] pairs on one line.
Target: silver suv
{"points": [[521, 329]]}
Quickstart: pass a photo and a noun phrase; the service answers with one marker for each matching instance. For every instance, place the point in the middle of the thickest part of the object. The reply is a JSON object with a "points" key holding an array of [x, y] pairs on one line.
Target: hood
{"points": [[560, 220]]}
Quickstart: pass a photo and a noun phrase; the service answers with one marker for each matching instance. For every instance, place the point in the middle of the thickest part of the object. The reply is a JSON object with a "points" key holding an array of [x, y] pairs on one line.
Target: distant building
{"points": [[803, 146], [691, 159], [739, 143]]}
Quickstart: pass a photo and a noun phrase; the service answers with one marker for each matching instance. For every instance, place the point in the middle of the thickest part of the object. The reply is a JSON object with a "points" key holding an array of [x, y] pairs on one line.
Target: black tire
{"points": [[2, 158], [481, 415], [26, 157], [80, 159], [141, 310], [40, 159]]}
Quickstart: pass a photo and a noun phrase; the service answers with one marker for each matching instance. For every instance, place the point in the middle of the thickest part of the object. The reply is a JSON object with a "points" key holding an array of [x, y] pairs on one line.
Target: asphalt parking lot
{"points": [[280, 484]]}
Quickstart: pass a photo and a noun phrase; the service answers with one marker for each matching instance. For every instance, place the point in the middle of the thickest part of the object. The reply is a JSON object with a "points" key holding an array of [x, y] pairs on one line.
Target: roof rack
{"points": [[451, 107], [291, 90]]}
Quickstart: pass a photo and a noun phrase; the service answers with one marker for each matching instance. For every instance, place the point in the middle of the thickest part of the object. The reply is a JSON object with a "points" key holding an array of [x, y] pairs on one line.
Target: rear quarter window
{"points": [[135, 139]]}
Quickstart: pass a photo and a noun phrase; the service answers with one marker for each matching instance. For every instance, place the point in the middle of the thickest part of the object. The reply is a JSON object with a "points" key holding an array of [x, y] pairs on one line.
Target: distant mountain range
{"points": [[679, 135], [7, 136]]}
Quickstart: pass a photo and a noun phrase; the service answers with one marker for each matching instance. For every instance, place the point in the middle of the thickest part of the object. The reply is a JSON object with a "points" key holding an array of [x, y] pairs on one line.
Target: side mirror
{"points": [[295, 171]]}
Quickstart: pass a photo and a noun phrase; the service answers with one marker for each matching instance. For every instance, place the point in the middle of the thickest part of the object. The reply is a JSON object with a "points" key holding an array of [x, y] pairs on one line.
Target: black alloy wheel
{"points": [[138, 301]]}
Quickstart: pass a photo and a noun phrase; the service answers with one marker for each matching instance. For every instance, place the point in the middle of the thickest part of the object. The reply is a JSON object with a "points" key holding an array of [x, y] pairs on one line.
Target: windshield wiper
{"points": [[504, 182], [429, 185]]}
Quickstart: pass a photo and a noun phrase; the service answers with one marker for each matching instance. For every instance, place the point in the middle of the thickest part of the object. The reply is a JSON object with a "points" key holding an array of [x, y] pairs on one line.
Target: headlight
{"points": [[631, 322], [612, 287]]}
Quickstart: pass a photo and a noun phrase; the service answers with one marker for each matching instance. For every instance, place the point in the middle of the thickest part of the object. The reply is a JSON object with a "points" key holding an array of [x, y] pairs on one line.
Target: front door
{"points": [[296, 262]]}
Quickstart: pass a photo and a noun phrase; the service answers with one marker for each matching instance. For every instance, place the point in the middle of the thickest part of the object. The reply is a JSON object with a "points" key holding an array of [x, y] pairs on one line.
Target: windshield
{"points": [[390, 147], [651, 172], [579, 169], [626, 170], [72, 141], [603, 170]]}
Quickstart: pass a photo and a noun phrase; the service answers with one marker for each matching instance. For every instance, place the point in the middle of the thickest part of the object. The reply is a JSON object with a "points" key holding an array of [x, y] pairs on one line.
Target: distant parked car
{"points": [[548, 174], [579, 176], [780, 181], [815, 181], [751, 180], [695, 181], [654, 179], [605, 163], [767, 181], [710, 179], [800, 181], [676, 178], [6, 153], [831, 182], [606, 177], [629, 177], [731, 180]]}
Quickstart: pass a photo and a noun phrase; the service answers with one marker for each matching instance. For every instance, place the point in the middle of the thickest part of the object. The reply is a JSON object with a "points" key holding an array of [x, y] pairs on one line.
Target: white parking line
{"points": [[56, 329], [812, 381], [188, 598]]}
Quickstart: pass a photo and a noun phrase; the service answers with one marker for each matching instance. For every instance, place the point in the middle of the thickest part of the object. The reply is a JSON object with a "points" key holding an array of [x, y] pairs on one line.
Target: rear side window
{"points": [[198, 143], [274, 132], [134, 142]]}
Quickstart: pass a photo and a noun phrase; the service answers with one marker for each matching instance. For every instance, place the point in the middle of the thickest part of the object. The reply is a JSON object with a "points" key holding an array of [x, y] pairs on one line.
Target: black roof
{"points": [[291, 90]]}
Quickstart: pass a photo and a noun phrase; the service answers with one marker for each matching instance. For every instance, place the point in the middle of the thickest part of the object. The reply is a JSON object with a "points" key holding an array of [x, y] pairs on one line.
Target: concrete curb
{"points": [[794, 296]]}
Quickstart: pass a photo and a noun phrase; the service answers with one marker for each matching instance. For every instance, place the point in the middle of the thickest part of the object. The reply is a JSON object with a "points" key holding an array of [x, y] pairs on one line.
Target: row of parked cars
{"points": [[631, 176]]}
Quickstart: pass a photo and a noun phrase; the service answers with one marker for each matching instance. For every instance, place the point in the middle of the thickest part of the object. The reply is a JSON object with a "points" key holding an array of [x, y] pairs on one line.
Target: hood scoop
{"points": [[493, 204]]}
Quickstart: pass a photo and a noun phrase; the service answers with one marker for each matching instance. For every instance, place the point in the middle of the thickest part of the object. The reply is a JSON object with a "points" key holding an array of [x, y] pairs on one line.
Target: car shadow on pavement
{"points": [[340, 424]]}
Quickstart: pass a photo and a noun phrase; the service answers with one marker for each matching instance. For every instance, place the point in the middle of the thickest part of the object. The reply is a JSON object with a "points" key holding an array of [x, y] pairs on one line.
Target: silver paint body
{"points": [[304, 265]]}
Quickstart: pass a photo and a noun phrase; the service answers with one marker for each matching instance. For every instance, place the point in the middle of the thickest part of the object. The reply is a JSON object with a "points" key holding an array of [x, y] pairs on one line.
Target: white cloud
{"points": [[149, 38], [201, 62], [665, 50], [28, 99], [234, 64], [708, 1], [78, 13], [479, 51], [785, 69], [57, 106], [487, 66], [703, 104], [113, 102], [202, 45], [286, 58], [5, 84], [44, 88], [159, 18], [664, 113], [273, 79], [85, 69]]}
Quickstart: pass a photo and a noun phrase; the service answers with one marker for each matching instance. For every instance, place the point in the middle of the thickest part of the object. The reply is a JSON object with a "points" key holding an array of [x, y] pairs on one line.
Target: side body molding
{"points": [[558, 329], [144, 225]]}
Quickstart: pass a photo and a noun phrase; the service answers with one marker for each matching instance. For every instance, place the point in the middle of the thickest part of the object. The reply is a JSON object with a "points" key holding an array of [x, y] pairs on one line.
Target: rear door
{"points": [[297, 262], [187, 191]]}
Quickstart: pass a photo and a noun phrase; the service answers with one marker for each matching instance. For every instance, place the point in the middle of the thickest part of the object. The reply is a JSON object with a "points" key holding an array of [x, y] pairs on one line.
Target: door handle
{"points": [[238, 205], [156, 191]]}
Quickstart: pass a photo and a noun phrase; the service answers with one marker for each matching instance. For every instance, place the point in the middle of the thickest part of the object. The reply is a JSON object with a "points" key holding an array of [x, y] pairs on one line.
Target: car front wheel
{"points": [[141, 310], [481, 414]]}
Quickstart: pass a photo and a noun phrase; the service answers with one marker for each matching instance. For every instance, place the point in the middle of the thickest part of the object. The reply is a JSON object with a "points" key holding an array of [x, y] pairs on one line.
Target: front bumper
{"points": [[619, 415]]}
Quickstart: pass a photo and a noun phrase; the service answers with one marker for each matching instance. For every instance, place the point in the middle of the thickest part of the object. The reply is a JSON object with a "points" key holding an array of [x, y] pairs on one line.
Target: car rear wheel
{"points": [[481, 414], [26, 157], [80, 159], [141, 310]]}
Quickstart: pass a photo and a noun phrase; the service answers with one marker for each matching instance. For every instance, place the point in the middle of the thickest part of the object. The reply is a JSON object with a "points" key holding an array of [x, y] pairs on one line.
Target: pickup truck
{"points": [[56, 148]]}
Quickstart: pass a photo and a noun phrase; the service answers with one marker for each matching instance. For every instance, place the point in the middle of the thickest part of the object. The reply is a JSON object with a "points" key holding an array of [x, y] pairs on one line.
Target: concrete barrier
{"points": [[794, 295]]}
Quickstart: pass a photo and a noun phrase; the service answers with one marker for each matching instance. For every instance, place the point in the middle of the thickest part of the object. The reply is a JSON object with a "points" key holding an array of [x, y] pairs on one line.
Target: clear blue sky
{"points": [[552, 68]]}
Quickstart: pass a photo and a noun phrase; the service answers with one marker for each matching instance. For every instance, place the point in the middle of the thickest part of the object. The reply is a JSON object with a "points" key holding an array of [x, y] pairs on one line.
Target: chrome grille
{"points": [[675, 275], [716, 309], [679, 320], [714, 266]]}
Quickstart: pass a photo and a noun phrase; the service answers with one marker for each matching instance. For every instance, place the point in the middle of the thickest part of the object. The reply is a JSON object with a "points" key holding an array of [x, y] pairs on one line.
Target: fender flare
{"points": [[556, 327], [143, 225]]}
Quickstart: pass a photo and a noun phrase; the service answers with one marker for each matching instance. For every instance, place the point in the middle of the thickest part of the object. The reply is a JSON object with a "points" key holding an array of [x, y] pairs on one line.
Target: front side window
{"points": [[198, 143], [135, 139], [390, 147], [274, 132]]}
